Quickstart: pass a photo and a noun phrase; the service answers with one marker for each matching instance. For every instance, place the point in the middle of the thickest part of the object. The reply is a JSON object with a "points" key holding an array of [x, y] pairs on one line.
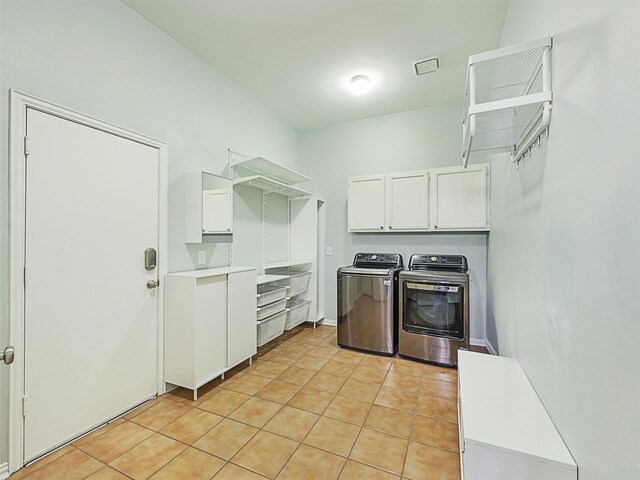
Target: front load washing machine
{"points": [[434, 308]]}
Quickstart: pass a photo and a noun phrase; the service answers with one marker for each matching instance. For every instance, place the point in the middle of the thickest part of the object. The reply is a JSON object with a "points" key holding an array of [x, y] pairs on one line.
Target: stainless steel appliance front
{"points": [[367, 303], [434, 315]]}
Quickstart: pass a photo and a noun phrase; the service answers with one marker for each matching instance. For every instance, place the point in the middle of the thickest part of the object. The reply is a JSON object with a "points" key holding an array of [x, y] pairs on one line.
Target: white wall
{"points": [[102, 59], [564, 269], [429, 137]]}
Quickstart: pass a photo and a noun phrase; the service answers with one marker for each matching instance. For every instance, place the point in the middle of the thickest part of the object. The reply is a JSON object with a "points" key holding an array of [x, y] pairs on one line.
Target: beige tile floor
{"points": [[305, 409]]}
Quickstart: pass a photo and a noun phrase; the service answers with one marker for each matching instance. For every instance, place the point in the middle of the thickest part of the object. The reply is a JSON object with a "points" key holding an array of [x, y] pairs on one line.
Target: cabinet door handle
{"points": [[389, 227], [382, 227], [435, 226]]}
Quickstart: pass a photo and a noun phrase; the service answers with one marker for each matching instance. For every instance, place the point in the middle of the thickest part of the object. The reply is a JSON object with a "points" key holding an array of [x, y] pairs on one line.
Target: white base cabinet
{"points": [[437, 199], [210, 323], [505, 431]]}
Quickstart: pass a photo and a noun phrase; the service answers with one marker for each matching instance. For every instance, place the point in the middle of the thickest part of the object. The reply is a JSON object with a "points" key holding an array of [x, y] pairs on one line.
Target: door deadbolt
{"points": [[153, 284], [150, 258], [8, 355]]}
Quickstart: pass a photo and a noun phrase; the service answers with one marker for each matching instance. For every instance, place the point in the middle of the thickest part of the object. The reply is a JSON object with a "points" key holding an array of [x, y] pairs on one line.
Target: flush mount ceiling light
{"points": [[427, 65], [360, 84]]}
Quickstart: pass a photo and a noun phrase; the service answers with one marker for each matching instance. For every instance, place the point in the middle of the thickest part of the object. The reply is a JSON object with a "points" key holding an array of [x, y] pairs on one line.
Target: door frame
{"points": [[18, 104]]}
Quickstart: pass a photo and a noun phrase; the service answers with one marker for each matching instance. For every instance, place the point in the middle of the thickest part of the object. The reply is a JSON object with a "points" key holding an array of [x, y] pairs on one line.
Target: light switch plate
{"points": [[328, 250], [202, 257]]}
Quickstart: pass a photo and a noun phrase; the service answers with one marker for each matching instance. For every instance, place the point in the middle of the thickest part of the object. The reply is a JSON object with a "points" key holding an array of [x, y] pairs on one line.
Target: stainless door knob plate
{"points": [[8, 355], [153, 284]]}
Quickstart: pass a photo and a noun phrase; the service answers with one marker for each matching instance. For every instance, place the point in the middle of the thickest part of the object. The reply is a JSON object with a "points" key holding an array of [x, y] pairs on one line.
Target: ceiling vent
{"points": [[427, 65]]}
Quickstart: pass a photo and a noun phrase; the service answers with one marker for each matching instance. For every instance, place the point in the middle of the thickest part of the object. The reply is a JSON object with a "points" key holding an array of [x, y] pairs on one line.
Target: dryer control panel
{"points": [[437, 262]]}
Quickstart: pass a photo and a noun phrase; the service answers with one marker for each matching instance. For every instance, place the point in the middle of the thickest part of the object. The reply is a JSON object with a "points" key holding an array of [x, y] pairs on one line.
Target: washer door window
{"points": [[434, 309]]}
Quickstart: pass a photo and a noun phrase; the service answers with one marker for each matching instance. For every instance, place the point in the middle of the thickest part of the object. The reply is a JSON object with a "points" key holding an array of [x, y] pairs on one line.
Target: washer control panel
{"points": [[378, 260]]}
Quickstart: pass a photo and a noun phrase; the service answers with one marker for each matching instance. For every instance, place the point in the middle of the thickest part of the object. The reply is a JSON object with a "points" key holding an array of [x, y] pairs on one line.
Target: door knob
{"points": [[153, 284], [8, 355]]}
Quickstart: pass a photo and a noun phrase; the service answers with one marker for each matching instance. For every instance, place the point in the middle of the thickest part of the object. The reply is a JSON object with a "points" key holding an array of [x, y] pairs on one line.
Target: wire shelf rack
{"points": [[508, 100]]}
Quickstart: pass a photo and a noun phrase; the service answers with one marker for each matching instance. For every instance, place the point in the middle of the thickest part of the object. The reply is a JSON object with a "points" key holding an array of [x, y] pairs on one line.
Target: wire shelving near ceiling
{"points": [[508, 100]]}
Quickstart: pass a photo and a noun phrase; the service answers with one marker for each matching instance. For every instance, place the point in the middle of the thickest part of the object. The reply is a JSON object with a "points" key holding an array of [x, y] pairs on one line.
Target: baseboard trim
{"points": [[490, 347], [331, 323], [4, 471], [483, 342]]}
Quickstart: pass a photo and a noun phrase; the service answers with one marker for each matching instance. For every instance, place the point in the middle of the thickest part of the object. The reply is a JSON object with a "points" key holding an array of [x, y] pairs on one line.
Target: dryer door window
{"points": [[433, 309]]}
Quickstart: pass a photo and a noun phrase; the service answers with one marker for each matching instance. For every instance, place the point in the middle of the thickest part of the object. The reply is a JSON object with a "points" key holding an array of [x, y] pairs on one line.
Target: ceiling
{"points": [[297, 56]]}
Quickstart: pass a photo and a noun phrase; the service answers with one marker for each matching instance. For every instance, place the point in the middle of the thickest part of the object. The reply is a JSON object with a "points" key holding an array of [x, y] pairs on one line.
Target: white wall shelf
{"points": [[508, 100], [286, 263], [270, 186], [266, 168], [292, 229], [268, 278]]}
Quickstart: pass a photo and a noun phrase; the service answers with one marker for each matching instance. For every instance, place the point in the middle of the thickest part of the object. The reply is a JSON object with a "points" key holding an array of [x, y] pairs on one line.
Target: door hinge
{"points": [[24, 406], [24, 274], [27, 146], [428, 175]]}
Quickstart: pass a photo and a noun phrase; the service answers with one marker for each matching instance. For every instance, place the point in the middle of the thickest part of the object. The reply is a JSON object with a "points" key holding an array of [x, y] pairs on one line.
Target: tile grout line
{"points": [[282, 348], [413, 419], [357, 437]]}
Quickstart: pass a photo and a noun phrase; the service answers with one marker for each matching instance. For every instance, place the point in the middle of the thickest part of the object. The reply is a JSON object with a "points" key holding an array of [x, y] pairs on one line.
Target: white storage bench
{"points": [[505, 431]]}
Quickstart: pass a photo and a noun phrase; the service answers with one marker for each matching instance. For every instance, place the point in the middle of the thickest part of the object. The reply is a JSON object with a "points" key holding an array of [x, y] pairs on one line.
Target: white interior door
{"points": [[91, 323]]}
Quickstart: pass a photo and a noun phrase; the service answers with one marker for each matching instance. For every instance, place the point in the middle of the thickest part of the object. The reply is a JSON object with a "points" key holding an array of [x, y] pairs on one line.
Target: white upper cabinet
{"points": [[438, 199], [460, 198], [216, 211], [208, 208], [408, 200], [367, 203]]}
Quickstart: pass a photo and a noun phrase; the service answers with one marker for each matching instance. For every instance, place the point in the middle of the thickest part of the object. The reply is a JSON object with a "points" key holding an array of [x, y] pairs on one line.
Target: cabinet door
{"points": [[408, 200], [460, 198], [210, 342], [216, 211], [367, 203], [242, 317]]}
